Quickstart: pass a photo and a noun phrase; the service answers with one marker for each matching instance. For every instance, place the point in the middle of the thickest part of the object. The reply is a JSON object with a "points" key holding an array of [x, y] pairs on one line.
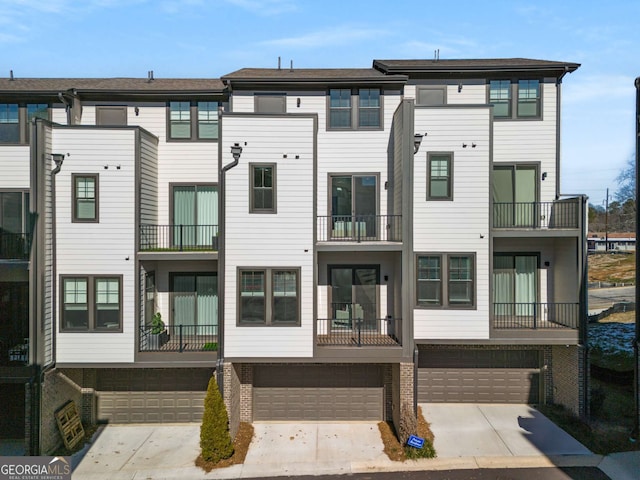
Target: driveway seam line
{"points": [[496, 432]]}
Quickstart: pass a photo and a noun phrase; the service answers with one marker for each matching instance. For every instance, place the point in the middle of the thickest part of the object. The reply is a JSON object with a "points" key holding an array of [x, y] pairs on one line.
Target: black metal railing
{"points": [[14, 246], [360, 228], [535, 316], [359, 331], [14, 351], [178, 238], [543, 215], [179, 338]]}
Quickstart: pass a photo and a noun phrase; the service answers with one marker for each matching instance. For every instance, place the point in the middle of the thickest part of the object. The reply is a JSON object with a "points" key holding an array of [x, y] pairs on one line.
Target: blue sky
{"points": [[208, 38]]}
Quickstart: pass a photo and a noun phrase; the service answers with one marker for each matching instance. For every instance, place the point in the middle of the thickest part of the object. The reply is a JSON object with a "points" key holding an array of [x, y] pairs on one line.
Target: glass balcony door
{"points": [[515, 195], [515, 284], [354, 296], [195, 302], [195, 208], [354, 206]]}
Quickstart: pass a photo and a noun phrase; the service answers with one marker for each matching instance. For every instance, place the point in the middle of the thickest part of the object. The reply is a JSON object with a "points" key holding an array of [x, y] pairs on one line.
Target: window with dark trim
{"points": [[85, 197], [269, 296], [262, 188], [111, 115], [15, 120], [517, 99], [426, 96], [91, 303], [445, 280], [439, 176], [192, 121], [270, 103], [354, 108]]}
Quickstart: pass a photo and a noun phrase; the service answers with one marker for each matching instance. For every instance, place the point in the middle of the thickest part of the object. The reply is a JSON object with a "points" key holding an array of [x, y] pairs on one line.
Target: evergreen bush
{"points": [[215, 440]]}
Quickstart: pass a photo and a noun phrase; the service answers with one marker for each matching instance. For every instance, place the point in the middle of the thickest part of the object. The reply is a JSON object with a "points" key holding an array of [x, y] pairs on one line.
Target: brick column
{"points": [[246, 393], [232, 396]]}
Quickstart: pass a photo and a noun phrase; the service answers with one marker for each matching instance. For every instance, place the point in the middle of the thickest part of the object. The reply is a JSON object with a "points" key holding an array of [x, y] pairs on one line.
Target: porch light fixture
{"points": [[417, 140], [236, 151], [58, 159], [544, 175]]}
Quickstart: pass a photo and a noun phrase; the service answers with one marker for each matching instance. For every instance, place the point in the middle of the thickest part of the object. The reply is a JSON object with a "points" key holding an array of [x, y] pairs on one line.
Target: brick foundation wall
{"points": [[246, 392], [57, 389], [232, 396], [568, 377], [390, 392], [404, 418]]}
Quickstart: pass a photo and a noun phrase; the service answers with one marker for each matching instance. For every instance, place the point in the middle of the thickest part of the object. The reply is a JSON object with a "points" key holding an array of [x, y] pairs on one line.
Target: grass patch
{"points": [[400, 453], [618, 361], [240, 448], [612, 268], [210, 347]]}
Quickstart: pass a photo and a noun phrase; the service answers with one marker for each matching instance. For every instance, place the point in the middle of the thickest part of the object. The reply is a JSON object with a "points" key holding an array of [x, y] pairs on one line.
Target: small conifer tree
{"points": [[215, 440]]}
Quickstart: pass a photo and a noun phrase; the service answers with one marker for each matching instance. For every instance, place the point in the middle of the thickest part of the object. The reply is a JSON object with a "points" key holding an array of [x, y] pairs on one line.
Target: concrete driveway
{"points": [[489, 430]]}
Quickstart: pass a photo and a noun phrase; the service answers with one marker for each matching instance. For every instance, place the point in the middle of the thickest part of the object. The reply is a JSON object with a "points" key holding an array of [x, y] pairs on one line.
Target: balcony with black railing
{"points": [[178, 238], [359, 228], [561, 214], [14, 246], [179, 338], [357, 325], [536, 316]]}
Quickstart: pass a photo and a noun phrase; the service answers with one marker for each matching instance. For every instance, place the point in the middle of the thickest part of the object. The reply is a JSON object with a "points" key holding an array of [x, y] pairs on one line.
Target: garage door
{"points": [[479, 376], [318, 393], [152, 395]]}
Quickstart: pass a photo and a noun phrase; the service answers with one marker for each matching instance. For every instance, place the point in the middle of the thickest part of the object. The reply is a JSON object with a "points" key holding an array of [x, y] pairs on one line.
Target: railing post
{"points": [[180, 337], [535, 316], [181, 232], [359, 323]]}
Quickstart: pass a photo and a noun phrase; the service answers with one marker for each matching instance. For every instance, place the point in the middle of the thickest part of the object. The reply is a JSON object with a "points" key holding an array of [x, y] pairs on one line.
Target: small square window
{"points": [[85, 198], [270, 103], [426, 96]]}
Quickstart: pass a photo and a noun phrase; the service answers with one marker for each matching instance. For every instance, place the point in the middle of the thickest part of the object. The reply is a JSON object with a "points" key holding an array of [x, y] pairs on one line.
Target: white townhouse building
{"points": [[333, 244]]}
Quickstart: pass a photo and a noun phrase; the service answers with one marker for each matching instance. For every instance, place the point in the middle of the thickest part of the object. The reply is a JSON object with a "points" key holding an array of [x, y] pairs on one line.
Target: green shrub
{"points": [[427, 451], [215, 440], [157, 325]]}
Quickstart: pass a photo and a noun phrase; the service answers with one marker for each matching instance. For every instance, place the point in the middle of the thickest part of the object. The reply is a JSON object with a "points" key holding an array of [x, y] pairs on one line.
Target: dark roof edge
{"points": [[390, 80], [560, 67]]}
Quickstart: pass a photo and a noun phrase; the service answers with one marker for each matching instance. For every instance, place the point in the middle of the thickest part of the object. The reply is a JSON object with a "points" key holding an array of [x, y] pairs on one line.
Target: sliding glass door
{"points": [[354, 206], [195, 302], [515, 195], [195, 215], [354, 296], [515, 284]]}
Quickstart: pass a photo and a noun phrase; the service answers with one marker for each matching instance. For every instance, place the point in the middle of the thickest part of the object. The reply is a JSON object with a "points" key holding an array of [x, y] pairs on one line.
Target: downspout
{"points": [[221, 266], [67, 107]]}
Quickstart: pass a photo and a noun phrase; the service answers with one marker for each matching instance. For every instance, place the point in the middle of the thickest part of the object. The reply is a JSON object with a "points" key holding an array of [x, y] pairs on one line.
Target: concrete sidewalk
{"points": [[144, 451]]}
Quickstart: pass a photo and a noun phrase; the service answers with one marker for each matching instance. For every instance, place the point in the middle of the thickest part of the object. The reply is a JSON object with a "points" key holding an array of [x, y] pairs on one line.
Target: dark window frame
{"points": [[23, 123], [422, 88], [74, 198], [445, 281], [431, 156], [92, 306], [114, 108], [25, 205], [355, 109], [259, 95], [194, 121], [514, 100], [269, 296], [252, 187]]}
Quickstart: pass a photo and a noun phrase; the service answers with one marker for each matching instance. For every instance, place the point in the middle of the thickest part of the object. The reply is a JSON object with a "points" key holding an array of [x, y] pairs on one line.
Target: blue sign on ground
{"points": [[415, 442]]}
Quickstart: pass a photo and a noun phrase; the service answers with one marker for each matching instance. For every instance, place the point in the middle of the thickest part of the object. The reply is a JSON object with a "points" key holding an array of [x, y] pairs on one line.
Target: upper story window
{"points": [[366, 114], [270, 103], [91, 303], [269, 296], [109, 115], [427, 96], [85, 197], [9, 123], [193, 121], [515, 100], [14, 212], [439, 176], [445, 280], [262, 188], [15, 120]]}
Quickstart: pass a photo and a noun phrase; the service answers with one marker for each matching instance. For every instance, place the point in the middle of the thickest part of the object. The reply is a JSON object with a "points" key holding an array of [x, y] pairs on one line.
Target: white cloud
{"points": [[322, 38]]}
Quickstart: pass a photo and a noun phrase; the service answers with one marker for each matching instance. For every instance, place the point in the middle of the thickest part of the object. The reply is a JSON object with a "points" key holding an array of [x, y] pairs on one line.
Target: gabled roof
{"points": [[111, 86], [480, 65], [311, 76]]}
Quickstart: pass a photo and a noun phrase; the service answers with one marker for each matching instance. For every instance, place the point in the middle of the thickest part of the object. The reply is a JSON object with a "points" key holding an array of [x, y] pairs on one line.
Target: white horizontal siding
{"points": [[284, 239], [531, 141], [461, 225], [148, 180], [104, 248], [15, 166]]}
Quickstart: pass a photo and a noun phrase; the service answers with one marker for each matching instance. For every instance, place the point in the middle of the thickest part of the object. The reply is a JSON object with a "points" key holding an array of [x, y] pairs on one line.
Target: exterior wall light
{"points": [[417, 140]]}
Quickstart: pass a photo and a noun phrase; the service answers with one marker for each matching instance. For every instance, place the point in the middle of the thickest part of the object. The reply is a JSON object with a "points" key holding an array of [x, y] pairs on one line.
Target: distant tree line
{"points": [[621, 215]]}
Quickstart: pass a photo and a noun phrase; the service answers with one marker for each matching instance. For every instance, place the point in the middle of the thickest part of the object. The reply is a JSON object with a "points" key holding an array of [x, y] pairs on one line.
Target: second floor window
{"points": [[9, 123], [528, 98], [340, 108], [85, 198], [262, 188], [369, 107], [439, 184], [366, 114], [91, 303], [193, 121], [500, 97], [519, 99]]}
